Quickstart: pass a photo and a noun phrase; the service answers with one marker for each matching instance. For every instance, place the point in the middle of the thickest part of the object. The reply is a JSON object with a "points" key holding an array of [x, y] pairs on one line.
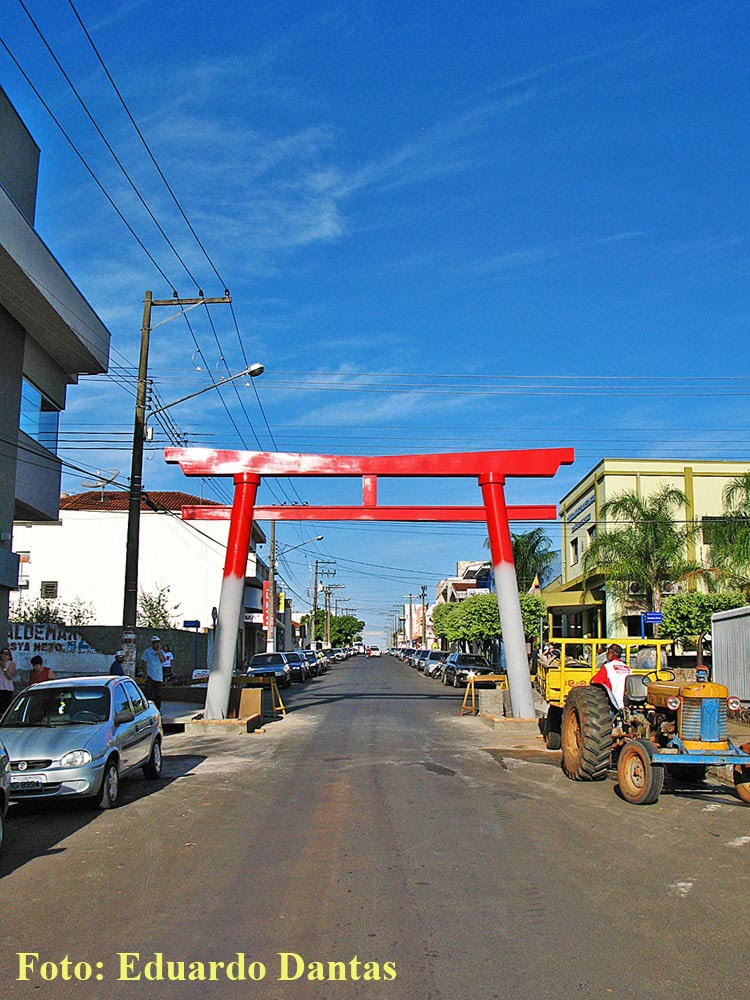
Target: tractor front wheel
{"points": [[586, 734], [640, 781], [742, 782]]}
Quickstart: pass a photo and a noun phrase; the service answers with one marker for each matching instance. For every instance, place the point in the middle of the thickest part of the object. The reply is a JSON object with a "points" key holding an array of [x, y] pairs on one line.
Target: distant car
{"points": [[433, 661], [79, 737], [199, 676], [312, 661], [374, 651], [4, 788], [420, 658], [457, 667]]}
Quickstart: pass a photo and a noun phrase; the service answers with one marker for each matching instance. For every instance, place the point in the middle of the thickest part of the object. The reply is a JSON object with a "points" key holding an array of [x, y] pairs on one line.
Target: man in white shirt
{"points": [[152, 661]]}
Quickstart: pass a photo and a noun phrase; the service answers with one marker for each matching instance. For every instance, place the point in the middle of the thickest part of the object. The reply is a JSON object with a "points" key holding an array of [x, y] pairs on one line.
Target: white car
{"points": [[374, 651]]}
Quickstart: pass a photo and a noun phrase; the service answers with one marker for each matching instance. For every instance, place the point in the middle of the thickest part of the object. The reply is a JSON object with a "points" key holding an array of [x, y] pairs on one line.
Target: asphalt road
{"points": [[378, 829]]}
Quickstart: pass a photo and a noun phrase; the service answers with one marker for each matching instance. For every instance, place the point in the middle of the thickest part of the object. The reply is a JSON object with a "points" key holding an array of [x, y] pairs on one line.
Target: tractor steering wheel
{"points": [[653, 675]]}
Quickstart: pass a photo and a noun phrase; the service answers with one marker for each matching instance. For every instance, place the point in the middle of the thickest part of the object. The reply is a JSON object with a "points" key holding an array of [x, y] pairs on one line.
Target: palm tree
{"points": [[730, 537], [533, 556], [646, 548]]}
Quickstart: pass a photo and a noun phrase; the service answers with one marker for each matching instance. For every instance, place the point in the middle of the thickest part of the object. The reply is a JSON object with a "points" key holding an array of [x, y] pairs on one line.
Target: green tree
{"points": [[645, 546], [442, 616], [533, 556], [155, 609], [40, 610], [687, 616], [477, 619], [344, 628], [79, 612], [730, 536]]}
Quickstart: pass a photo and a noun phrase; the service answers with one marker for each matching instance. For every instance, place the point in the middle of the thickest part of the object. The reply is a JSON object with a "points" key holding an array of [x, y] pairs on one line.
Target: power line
{"points": [[146, 146], [104, 139], [81, 157]]}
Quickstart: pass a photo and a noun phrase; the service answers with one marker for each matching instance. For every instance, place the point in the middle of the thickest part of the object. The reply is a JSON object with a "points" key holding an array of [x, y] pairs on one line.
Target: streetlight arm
{"points": [[207, 388]]}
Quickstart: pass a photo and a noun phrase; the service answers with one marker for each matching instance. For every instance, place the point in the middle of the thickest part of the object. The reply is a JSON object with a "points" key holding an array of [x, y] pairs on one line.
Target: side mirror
{"points": [[123, 716]]}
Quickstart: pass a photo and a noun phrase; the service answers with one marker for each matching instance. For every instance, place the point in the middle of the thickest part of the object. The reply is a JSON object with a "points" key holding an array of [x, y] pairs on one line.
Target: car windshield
{"points": [[467, 660], [59, 706], [267, 660], [436, 655], [293, 658]]}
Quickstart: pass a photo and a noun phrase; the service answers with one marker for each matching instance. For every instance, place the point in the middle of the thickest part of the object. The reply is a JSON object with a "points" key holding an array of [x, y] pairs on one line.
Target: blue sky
{"points": [[444, 227]]}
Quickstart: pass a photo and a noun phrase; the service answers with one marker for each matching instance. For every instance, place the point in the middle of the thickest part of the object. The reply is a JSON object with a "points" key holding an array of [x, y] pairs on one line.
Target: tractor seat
{"points": [[636, 689]]}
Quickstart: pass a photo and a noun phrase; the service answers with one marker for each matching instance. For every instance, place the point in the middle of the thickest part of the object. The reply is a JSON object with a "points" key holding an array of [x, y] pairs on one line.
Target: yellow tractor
{"points": [[663, 725]]}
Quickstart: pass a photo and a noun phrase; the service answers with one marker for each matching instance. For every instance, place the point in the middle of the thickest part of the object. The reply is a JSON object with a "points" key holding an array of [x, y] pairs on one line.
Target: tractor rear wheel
{"points": [[742, 782], [640, 781], [586, 734]]}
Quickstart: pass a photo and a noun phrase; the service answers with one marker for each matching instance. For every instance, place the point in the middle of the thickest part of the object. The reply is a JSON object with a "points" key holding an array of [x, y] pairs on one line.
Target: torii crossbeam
{"points": [[491, 469]]}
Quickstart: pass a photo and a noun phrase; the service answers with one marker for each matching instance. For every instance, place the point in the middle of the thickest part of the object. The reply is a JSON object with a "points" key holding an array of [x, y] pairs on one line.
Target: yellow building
{"points": [[598, 613]]}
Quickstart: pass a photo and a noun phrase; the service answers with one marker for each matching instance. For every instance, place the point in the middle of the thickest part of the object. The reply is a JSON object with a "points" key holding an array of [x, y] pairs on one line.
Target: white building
{"points": [[82, 557]]}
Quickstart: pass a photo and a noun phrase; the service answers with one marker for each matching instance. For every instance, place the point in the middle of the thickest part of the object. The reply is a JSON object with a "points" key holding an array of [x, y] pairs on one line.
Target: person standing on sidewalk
{"points": [[7, 673], [152, 660]]}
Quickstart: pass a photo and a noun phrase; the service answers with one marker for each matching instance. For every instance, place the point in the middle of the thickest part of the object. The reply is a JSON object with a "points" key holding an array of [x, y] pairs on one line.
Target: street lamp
{"points": [[252, 371], [271, 601], [130, 597]]}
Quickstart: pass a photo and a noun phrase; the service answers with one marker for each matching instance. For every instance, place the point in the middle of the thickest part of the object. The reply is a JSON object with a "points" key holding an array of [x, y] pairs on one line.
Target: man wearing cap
{"points": [[115, 666], [611, 675], [152, 661]]}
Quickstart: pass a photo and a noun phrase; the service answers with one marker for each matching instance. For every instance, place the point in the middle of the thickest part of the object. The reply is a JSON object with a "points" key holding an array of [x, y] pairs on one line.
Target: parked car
{"points": [[271, 665], [79, 737], [298, 665], [4, 788], [434, 659], [199, 676], [457, 667], [420, 657], [312, 661], [374, 651]]}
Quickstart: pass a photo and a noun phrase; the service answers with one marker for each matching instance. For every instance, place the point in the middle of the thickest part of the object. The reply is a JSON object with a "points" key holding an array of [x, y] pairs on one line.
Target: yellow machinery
{"points": [[571, 663]]}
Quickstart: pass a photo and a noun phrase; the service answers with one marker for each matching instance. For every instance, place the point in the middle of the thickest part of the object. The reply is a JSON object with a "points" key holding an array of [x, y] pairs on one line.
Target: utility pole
{"points": [[130, 597], [330, 587], [271, 633], [314, 607], [411, 619], [318, 562], [424, 618]]}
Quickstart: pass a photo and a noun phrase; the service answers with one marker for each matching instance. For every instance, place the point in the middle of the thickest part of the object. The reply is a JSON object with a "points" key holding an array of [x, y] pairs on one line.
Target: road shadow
{"points": [[36, 828]]}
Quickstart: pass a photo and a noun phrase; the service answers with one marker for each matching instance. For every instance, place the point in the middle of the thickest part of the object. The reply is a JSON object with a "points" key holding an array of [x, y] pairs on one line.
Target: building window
{"points": [[591, 534], [573, 551], [49, 590], [39, 417]]}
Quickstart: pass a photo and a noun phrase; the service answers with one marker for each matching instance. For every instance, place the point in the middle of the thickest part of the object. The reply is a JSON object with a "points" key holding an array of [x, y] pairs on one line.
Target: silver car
{"points": [[4, 787], [78, 737]]}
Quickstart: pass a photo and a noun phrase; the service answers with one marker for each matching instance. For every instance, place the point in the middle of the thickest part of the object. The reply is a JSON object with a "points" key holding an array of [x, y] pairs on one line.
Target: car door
{"points": [[145, 722], [126, 736]]}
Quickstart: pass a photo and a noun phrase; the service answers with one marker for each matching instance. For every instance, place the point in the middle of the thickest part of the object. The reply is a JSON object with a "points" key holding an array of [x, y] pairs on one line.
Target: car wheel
{"points": [[455, 680], [152, 769], [109, 793]]}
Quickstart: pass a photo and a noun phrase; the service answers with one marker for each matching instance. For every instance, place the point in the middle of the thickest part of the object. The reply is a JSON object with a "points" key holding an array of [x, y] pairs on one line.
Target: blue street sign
{"points": [[653, 617], [191, 624]]}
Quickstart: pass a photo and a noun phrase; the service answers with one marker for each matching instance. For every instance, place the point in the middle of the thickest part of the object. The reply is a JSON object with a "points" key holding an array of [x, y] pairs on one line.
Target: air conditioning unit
{"points": [[671, 588], [635, 590]]}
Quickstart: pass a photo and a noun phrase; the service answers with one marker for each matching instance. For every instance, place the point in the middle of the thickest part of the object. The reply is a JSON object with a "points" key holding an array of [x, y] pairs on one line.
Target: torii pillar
{"points": [[491, 469]]}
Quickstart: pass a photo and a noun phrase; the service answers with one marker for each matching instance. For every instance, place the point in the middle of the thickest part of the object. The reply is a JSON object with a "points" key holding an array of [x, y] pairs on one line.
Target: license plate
{"points": [[27, 782]]}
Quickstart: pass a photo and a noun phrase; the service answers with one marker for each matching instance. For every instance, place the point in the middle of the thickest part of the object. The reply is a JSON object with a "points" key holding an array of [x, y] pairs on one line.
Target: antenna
{"points": [[103, 479]]}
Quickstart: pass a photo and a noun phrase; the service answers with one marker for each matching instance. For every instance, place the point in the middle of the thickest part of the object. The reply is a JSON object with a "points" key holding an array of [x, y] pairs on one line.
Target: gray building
{"points": [[49, 335]]}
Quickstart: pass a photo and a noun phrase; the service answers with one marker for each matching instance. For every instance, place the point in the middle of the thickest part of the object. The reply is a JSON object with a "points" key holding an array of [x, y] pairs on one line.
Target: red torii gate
{"points": [[248, 467]]}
